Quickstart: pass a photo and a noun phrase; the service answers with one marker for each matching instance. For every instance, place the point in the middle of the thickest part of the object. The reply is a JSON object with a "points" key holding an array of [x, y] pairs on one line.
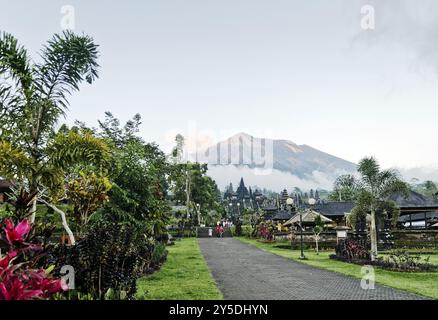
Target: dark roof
{"points": [[418, 216], [414, 200], [281, 215], [334, 208], [270, 208]]}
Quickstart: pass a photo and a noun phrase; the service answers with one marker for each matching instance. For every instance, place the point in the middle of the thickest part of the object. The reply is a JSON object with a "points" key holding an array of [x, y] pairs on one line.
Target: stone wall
{"points": [[416, 238], [402, 239]]}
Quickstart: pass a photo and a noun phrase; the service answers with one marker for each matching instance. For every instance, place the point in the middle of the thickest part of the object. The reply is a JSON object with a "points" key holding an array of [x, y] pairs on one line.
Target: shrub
{"points": [[401, 260], [109, 256], [159, 255], [351, 249], [265, 230]]}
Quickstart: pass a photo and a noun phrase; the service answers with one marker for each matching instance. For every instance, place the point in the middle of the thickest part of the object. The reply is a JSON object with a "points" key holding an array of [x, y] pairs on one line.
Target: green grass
{"points": [[184, 276], [423, 283]]}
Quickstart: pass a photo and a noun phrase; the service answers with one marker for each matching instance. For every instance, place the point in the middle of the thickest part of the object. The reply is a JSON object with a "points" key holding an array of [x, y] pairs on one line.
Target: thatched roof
{"points": [[335, 208], [413, 200], [281, 215], [308, 216]]}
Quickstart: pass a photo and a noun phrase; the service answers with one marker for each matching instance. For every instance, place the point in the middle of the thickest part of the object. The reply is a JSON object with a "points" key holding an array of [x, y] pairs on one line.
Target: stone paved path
{"points": [[245, 272]]}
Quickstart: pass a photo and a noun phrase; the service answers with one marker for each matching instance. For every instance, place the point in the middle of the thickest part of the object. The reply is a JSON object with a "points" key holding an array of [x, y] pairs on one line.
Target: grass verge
{"points": [[422, 283], [184, 276]]}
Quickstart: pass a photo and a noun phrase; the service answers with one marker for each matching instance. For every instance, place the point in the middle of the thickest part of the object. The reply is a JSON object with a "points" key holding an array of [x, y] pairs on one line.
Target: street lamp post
{"points": [[290, 203], [311, 202]]}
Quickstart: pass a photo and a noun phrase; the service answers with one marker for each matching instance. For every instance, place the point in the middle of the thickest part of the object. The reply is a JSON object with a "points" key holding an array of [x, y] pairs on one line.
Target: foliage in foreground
{"points": [[20, 279], [110, 258]]}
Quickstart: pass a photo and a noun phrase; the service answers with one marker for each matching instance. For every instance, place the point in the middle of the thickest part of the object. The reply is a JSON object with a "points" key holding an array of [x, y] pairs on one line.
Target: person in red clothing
{"points": [[218, 230], [221, 231]]}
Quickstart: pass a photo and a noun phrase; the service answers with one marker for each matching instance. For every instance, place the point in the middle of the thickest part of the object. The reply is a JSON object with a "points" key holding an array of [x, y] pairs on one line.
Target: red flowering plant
{"points": [[265, 232], [19, 279]]}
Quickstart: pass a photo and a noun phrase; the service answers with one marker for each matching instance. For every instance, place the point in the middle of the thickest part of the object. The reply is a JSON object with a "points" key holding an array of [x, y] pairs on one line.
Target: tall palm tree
{"points": [[377, 185], [33, 97]]}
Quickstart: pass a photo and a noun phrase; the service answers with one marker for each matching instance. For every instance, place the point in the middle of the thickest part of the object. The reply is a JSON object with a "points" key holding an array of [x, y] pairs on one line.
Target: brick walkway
{"points": [[245, 272]]}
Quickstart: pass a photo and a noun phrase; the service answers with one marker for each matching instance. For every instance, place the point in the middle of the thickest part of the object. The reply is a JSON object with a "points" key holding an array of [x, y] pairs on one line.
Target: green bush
{"points": [[246, 231], [109, 256], [159, 255]]}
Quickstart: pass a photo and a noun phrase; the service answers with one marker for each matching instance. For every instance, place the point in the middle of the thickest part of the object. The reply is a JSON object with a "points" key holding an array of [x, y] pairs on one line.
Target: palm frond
{"points": [[79, 147], [369, 169], [68, 60], [14, 63]]}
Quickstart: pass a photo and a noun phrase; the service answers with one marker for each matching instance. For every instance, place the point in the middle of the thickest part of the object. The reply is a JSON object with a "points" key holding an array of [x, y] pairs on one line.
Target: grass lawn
{"points": [[423, 283], [184, 276]]}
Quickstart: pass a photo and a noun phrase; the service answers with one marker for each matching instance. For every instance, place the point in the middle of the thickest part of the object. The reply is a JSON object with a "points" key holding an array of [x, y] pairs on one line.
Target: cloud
{"points": [[408, 25], [277, 180], [420, 173]]}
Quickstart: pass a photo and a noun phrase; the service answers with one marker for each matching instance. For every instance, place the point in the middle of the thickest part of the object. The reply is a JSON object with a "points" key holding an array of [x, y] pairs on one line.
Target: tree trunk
{"points": [[33, 210], [373, 236], [64, 221]]}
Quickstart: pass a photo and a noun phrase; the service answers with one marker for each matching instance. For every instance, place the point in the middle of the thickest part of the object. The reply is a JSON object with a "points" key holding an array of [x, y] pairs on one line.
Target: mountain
{"points": [[274, 164]]}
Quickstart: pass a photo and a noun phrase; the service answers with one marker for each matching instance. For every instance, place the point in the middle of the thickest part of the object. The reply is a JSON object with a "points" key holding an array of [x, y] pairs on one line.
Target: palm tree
{"points": [[345, 188], [33, 97], [375, 186]]}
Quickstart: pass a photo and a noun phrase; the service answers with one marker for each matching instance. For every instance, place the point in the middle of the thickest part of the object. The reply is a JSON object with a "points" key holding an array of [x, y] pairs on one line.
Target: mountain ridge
{"points": [[245, 151]]}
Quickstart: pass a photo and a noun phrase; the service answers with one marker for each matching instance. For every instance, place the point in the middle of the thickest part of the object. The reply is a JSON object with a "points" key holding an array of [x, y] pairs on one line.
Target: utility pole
{"points": [[187, 192]]}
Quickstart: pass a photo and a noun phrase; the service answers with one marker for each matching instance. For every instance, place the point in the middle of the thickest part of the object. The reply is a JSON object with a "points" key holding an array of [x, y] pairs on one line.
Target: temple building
{"points": [[242, 198]]}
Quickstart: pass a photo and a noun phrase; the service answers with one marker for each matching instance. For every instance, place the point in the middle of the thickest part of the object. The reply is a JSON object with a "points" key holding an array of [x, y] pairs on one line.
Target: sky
{"points": [[304, 71]]}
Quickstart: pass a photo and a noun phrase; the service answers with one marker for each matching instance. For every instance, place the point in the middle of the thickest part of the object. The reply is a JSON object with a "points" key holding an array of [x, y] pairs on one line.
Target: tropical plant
{"points": [[33, 97], [139, 177], [317, 229], [375, 187], [18, 279], [87, 193], [108, 256], [190, 182], [345, 188], [352, 250], [252, 218]]}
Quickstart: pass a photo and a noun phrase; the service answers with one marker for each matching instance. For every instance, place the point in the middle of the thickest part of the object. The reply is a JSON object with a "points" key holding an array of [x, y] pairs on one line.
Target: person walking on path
{"points": [[221, 230]]}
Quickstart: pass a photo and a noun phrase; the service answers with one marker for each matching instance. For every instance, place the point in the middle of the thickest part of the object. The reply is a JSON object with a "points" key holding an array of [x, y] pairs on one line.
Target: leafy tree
{"points": [[345, 188], [252, 218], [178, 151], [33, 97], [375, 186], [87, 193], [139, 175], [427, 188], [203, 191], [317, 229]]}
